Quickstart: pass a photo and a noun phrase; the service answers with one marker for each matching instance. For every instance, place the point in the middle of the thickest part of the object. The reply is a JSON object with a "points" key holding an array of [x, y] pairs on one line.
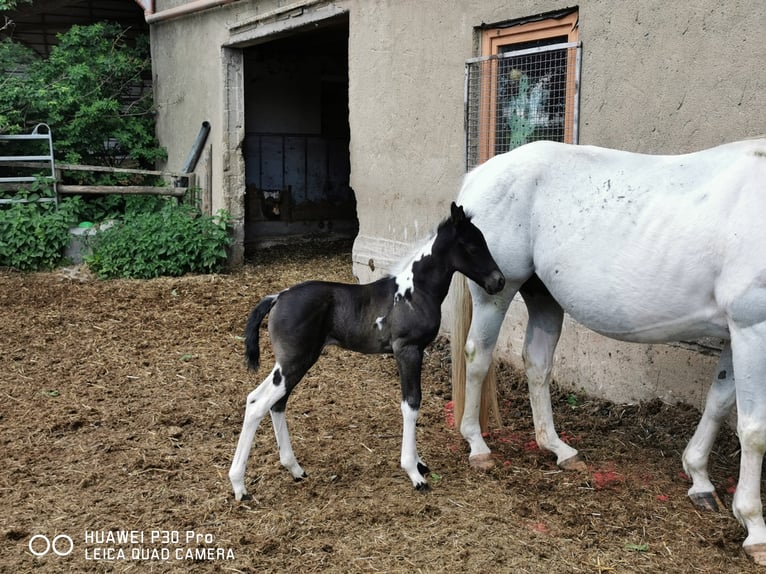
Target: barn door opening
{"points": [[297, 136]]}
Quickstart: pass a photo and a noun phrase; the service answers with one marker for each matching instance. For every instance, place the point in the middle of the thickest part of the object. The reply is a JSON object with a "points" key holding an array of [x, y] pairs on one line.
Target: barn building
{"points": [[360, 117]]}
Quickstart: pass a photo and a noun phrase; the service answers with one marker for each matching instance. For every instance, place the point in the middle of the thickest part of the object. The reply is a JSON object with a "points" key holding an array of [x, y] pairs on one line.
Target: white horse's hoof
{"points": [[573, 463], [707, 501], [757, 552], [481, 461]]}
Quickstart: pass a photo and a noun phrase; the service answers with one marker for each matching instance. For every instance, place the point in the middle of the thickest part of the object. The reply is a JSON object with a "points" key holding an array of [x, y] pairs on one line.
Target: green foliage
{"points": [[90, 91], [34, 235], [12, 4], [15, 59], [172, 241], [116, 206]]}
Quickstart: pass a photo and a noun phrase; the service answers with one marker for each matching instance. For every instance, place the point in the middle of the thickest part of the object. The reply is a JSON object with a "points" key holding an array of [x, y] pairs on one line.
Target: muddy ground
{"points": [[120, 405]]}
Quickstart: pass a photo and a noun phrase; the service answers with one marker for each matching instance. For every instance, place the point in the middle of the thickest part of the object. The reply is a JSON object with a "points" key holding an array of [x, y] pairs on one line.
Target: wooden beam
{"points": [[108, 169], [121, 189]]}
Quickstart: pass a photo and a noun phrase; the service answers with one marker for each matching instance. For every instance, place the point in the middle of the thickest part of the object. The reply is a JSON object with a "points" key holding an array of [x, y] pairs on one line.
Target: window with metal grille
{"points": [[526, 89]]}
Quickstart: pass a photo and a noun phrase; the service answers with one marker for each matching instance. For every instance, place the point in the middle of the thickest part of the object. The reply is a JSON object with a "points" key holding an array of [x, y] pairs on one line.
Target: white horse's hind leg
{"points": [[543, 332], [259, 402], [720, 401], [488, 314], [747, 345], [286, 454]]}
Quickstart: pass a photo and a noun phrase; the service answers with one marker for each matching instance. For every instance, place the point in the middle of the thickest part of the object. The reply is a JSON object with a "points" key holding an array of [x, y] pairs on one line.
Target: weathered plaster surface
{"points": [[657, 77]]}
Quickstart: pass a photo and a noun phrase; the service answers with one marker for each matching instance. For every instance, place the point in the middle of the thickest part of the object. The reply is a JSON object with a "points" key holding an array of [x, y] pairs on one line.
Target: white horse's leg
{"points": [[259, 402], [720, 401], [543, 332], [286, 454], [748, 343], [487, 318]]}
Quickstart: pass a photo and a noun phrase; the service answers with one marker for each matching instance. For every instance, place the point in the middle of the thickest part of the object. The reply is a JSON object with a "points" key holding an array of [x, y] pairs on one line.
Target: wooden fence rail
{"points": [[174, 190]]}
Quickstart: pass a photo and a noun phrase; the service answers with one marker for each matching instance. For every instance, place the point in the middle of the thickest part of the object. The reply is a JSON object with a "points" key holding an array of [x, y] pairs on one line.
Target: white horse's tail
{"points": [[460, 318]]}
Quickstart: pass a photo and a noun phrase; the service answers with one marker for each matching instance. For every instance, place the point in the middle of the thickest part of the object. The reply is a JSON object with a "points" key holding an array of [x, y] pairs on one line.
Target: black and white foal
{"points": [[397, 314]]}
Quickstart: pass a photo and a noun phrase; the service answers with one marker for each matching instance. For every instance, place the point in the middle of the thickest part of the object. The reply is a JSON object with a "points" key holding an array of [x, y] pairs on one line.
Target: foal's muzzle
{"points": [[495, 283]]}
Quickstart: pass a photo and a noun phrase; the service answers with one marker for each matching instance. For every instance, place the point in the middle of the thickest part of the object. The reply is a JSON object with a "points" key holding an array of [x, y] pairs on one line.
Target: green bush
{"points": [[92, 93], [34, 235], [172, 241]]}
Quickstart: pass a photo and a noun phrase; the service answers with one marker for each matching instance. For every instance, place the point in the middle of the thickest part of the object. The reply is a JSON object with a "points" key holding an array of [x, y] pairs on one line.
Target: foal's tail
{"points": [[252, 349], [460, 318]]}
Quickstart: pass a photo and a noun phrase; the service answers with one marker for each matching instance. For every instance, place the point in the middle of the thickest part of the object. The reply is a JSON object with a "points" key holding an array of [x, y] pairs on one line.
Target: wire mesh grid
{"points": [[518, 97]]}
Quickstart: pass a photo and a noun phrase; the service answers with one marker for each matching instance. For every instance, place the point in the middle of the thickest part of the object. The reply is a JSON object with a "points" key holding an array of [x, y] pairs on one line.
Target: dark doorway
{"points": [[297, 138]]}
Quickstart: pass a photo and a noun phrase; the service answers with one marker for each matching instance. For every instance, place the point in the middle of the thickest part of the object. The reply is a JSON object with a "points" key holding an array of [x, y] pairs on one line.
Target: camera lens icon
{"points": [[61, 545]]}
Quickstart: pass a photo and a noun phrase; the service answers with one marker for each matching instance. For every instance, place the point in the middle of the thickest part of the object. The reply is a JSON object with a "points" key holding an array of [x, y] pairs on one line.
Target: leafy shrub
{"points": [[91, 91], [172, 241], [34, 235]]}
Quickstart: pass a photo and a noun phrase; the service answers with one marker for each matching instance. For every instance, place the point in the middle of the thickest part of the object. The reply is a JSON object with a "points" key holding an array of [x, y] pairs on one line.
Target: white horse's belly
{"points": [[621, 319], [640, 275]]}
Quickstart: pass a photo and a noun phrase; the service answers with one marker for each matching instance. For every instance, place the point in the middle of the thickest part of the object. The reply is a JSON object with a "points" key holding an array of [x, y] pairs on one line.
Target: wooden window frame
{"points": [[493, 39]]}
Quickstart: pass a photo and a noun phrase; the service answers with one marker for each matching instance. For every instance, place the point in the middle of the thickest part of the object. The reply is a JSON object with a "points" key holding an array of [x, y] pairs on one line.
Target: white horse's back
{"points": [[634, 246]]}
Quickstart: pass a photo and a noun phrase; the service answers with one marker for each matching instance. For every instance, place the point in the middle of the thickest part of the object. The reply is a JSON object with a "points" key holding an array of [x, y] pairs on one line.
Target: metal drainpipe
{"points": [[184, 10]]}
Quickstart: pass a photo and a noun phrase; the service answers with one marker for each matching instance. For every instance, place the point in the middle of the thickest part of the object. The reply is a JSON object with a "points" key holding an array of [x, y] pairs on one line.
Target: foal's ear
{"points": [[458, 215]]}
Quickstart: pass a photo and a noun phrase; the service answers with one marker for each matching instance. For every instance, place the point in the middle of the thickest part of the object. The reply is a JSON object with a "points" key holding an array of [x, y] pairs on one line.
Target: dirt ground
{"points": [[121, 402]]}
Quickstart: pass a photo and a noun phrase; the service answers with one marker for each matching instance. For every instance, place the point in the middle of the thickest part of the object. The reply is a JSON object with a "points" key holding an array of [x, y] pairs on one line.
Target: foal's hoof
{"points": [[300, 478], [481, 461], [244, 498], [422, 487], [757, 552], [573, 463], [708, 501]]}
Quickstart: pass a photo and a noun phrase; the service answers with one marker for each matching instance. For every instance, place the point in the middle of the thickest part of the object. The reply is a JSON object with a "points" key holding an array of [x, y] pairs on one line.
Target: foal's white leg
{"points": [[286, 454], [259, 402], [411, 462], [409, 360], [747, 345], [487, 318], [543, 331], [720, 401]]}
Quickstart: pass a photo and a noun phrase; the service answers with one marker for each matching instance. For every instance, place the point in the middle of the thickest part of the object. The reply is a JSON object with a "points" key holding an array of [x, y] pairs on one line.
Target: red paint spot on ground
{"points": [[531, 446], [606, 478], [731, 485], [568, 437], [449, 414], [540, 527], [683, 476], [663, 497]]}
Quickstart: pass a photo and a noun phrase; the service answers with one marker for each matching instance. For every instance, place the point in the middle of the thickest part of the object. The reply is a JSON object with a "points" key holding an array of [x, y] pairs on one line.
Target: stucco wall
{"points": [[656, 77]]}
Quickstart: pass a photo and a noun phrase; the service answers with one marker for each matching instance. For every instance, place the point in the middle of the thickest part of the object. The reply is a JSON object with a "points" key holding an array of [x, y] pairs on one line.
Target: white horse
{"points": [[639, 248]]}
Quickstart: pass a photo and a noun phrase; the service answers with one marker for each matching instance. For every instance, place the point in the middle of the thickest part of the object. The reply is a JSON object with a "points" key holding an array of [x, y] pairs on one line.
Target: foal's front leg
{"points": [[286, 454], [409, 359]]}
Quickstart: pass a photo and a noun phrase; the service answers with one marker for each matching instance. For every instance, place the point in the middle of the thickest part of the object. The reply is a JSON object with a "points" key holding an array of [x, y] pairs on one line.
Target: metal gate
{"points": [[25, 159]]}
